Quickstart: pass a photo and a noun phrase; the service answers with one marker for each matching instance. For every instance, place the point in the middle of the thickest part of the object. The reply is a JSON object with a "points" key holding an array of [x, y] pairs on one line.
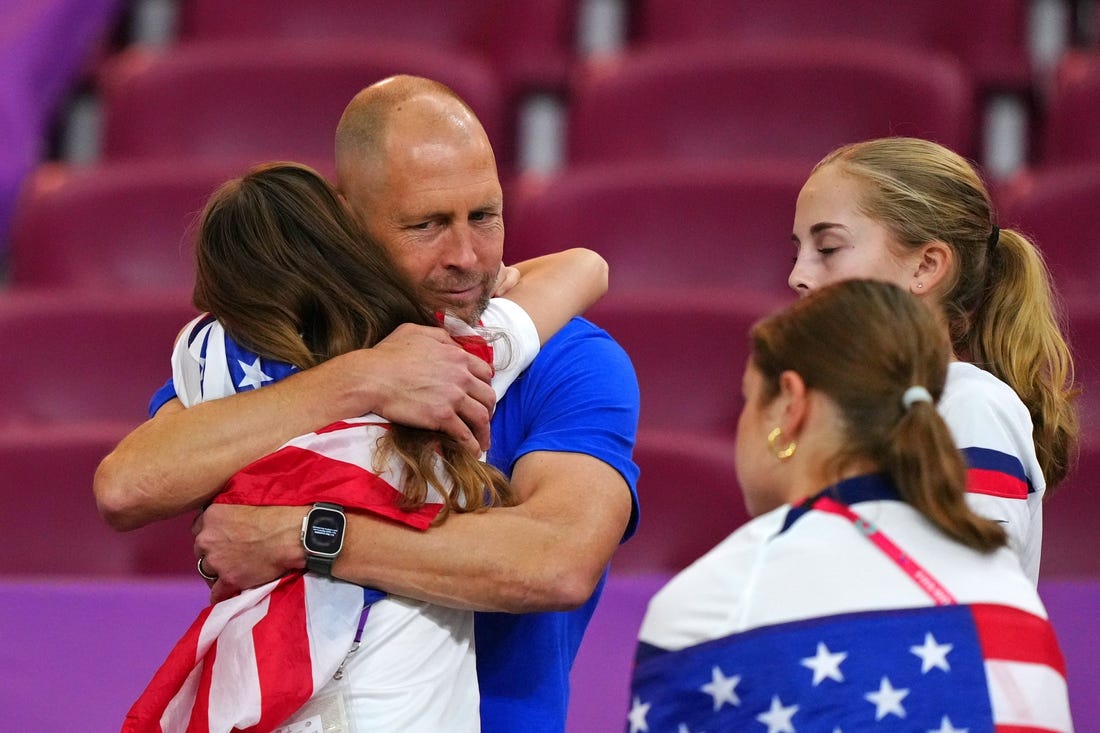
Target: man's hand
{"points": [[424, 379], [247, 546]]}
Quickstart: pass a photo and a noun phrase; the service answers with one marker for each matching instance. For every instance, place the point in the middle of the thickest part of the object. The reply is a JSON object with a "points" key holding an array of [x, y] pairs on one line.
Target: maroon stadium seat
{"points": [[1070, 517], [1054, 206], [56, 529], [88, 356], [689, 350], [528, 42], [689, 501], [256, 101], [989, 37], [792, 100], [721, 225], [123, 225], [1069, 134]]}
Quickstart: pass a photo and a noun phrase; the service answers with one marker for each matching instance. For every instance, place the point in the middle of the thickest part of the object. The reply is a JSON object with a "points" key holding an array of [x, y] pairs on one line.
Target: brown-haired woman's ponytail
{"points": [[921, 457]]}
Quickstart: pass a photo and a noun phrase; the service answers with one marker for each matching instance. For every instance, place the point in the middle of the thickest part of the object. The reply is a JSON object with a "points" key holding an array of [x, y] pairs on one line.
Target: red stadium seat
{"points": [[55, 527], [722, 225], [689, 351], [1054, 206], [787, 100], [1068, 133], [88, 356], [689, 502], [124, 225], [988, 37], [1070, 517], [528, 42], [248, 102]]}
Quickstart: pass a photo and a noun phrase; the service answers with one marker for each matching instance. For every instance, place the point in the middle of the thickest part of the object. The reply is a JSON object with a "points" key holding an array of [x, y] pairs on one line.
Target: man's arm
{"points": [[547, 553], [179, 459]]}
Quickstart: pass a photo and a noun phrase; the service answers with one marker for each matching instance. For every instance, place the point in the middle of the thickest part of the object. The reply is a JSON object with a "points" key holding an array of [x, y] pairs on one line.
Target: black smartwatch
{"points": [[323, 536]]}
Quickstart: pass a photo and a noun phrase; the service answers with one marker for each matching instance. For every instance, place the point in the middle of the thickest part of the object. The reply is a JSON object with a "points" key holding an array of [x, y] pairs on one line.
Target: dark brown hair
{"points": [[863, 344], [288, 272]]}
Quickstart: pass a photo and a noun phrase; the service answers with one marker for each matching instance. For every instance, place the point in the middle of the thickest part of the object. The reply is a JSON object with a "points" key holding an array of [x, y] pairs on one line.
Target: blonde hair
{"points": [[999, 301], [284, 267], [863, 343]]}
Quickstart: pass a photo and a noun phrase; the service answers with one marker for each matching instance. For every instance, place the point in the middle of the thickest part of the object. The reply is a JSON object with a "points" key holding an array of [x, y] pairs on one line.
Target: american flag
{"points": [[252, 660], [978, 668]]}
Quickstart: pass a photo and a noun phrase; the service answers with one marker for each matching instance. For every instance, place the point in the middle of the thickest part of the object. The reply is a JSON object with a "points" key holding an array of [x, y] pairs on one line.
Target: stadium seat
{"points": [[88, 356], [1083, 331], [988, 37], [55, 527], [689, 350], [785, 100], [248, 102], [1070, 517], [1053, 206], [689, 501], [114, 225], [717, 225], [1068, 132], [530, 43]]}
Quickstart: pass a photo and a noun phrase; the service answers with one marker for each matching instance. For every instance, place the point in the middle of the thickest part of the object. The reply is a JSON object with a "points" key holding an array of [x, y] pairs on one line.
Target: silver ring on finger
{"points": [[205, 576]]}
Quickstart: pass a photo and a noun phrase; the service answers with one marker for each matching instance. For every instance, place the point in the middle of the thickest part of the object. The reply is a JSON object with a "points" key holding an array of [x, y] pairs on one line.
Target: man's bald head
{"points": [[417, 108]]}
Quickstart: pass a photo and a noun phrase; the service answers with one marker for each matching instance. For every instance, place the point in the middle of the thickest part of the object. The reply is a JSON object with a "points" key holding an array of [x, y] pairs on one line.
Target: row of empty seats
{"points": [[707, 100], [710, 225]]}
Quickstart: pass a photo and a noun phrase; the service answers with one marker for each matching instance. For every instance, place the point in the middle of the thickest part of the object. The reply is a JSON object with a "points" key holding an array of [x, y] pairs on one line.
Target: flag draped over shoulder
{"points": [[944, 669], [249, 662]]}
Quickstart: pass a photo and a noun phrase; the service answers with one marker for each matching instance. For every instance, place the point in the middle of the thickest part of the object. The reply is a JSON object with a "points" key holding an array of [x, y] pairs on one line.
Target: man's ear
{"points": [[934, 262]]}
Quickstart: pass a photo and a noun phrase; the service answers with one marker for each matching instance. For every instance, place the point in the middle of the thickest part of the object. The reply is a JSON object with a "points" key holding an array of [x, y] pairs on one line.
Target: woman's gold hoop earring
{"points": [[780, 453]]}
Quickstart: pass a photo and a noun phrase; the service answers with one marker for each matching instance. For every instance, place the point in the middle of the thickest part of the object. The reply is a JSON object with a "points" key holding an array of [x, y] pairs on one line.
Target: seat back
{"points": [[1053, 207], [689, 501], [124, 225], [989, 37], [56, 529], [258, 101], [785, 100], [720, 225], [689, 349], [90, 356]]}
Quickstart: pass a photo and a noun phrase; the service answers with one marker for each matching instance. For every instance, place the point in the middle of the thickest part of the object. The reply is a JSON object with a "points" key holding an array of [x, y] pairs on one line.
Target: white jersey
{"points": [[730, 641], [414, 670], [1005, 482]]}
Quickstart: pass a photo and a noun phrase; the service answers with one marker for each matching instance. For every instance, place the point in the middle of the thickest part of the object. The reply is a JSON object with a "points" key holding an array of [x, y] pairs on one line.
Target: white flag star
{"points": [[946, 727], [887, 700], [932, 654], [825, 664], [253, 375], [778, 718], [722, 688], [638, 711]]}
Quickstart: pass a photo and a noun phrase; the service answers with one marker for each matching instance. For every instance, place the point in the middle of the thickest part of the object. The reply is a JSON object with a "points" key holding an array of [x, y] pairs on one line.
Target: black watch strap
{"points": [[319, 564]]}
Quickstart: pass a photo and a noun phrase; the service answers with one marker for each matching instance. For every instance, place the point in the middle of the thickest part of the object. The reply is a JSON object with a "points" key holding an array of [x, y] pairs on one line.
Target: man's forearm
{"points": [[546, 554], [181, 458]]}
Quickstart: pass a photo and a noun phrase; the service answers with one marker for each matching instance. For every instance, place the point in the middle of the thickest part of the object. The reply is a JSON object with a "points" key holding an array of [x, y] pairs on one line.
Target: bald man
{"points": [[416, 167]]}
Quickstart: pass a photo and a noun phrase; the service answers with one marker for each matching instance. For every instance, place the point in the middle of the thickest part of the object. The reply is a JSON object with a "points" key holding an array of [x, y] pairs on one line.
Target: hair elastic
{"points": [[994, 238], [915, 394]]}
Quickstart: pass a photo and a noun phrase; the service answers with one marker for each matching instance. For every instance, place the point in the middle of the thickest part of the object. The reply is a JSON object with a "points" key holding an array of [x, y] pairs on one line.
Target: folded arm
{"points": [[547, 553], [179, 459]]}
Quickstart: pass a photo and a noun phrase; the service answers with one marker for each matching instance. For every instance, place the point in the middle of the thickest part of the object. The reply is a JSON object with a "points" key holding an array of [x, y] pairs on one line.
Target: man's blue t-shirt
{"points": [[580, 395]]}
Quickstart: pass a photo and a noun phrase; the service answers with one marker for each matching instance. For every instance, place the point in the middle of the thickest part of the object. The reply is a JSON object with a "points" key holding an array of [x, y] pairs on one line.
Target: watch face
{"points": [[325, 531]]}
